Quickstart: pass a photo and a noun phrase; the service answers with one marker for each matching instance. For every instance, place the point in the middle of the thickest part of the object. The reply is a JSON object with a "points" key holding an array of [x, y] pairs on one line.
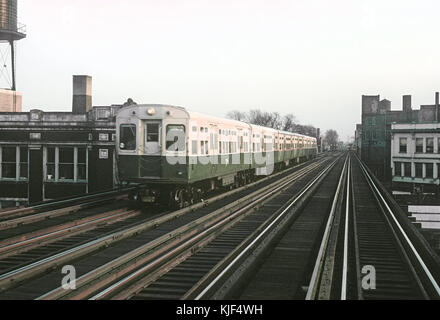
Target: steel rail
{"points": [[28, 219], [263, 233], [345, 256], [46, 235], [22, 211], [314, 281], [403, 233], [179, 234]]}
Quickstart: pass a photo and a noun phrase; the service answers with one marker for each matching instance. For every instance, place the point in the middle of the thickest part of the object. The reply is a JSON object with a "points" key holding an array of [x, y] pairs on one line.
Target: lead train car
{"points": [[177, 156]]}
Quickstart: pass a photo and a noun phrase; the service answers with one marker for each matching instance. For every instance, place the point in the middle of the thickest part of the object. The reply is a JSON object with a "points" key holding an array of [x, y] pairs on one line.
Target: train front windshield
{"points": [[127, 139]]}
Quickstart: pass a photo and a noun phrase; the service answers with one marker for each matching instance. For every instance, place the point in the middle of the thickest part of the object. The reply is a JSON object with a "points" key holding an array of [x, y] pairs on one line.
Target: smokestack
{"points": [[407, 105], [82, 94]]}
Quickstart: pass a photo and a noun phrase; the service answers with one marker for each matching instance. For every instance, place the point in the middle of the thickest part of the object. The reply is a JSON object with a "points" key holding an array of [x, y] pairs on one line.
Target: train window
{"points": [[204, 147], [215, 144], [152, 132], [194, 147], [176, 137], [127, 137]]}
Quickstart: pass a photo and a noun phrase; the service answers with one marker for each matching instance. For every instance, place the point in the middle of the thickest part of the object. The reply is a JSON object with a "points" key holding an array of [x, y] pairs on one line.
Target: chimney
{"points": [[407, 105], [82, 94]]}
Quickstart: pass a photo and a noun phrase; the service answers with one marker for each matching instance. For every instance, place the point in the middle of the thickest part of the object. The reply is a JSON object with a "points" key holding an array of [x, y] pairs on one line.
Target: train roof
{"points": [[195, 114]]}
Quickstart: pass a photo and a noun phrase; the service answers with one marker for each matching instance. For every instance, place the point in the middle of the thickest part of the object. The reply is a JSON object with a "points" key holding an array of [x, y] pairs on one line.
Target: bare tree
{"points": [[265, 119], [331, 139], [236, 115], [289, 122], [273, 120]]}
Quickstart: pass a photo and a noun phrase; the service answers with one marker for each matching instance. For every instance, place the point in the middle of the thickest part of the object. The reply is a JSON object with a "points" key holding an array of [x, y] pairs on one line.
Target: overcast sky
{"points": [[312, 58]]}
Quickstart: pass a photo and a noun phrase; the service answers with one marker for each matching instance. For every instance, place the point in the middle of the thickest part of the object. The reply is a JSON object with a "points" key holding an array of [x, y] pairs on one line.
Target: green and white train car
{"points": [[176, 156]]}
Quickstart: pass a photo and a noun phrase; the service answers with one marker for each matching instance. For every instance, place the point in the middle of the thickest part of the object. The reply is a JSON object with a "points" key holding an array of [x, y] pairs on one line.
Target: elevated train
{"points": [[176, 156]]}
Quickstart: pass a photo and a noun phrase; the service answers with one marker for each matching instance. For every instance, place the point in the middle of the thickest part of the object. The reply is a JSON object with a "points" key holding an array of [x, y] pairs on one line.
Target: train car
{"points": [[176, 156]]}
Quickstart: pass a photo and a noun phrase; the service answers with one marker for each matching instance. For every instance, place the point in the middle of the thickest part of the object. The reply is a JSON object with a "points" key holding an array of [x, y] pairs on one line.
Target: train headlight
{"points": [[122, 145], [151, 111]]}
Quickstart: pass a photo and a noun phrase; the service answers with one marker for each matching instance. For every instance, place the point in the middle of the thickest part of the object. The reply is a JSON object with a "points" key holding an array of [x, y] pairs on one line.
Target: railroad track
{"points": [[19, 216], [314, 233], [280, 266], [344, 243], [16, 284], [382, 248], [213, 237]]}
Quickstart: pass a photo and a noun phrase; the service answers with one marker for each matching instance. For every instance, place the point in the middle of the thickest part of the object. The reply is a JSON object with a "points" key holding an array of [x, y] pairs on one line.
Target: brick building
{"points": [[376, 130]]}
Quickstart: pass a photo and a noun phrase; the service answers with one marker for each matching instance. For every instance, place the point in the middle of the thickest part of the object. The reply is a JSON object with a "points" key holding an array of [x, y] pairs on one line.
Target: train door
{"points": [[152, 138]]}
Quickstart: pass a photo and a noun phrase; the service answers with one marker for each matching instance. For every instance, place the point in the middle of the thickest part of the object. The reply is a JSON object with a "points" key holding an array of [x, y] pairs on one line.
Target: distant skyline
{"points": [[312, 58]]}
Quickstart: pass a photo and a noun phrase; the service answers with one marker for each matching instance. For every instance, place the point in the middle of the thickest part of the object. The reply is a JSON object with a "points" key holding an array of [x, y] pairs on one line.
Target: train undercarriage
{"points": [[178, 196]]}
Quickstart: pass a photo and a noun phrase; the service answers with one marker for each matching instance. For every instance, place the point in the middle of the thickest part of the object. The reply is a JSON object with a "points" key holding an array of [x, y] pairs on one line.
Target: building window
{"points": [[82, 164], [419, 145], [14, 163], [407, 169], [419, 170], [103, 137], [429, 170], [429, 145], [24, 162], [402, 145], [50, 164], [66, 164], [9, 167], [103, 114], [397, 169]]}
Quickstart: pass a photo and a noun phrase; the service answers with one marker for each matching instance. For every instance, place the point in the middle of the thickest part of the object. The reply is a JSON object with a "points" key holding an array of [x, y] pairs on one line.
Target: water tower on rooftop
{"points": [[10, 32]]}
